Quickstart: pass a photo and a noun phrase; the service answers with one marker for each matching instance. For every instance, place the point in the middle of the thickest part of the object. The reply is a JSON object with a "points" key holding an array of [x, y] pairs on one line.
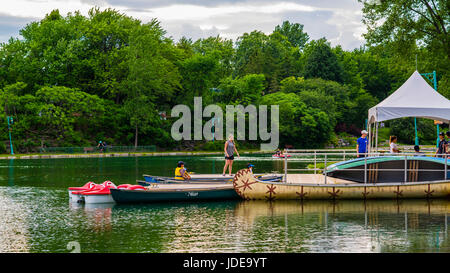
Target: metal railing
{"points": [[325, 156], [95, 149]]}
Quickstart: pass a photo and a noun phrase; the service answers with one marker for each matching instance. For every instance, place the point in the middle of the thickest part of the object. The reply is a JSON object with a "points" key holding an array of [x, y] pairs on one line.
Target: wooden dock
{"points": [[315, 179]]}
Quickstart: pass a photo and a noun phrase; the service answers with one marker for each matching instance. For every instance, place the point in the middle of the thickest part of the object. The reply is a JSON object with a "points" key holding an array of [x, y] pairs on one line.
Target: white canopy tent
{"points": [[415, 98]]}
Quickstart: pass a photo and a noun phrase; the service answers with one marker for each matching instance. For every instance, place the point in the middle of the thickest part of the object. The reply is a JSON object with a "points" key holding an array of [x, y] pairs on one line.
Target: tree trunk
{"points": [[136, 137]]}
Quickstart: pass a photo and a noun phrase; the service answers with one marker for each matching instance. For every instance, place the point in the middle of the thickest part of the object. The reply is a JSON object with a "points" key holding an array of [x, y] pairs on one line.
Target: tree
{"points": [[198, 75], [58, 114], [403, 128], [350, 69], [294, 33], [299, 125], [246, 90], [321, 62], [342, 103], [373, 72], [250, 53], [408, 23], [271, 55], [221, 50], [73, 79], [444, 86], [152, 78], [402, 30]]}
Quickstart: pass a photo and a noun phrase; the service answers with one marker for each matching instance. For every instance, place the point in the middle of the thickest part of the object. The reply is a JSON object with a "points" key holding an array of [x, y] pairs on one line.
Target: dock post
{"points": [[325, 169], [445, 168], [445, 218], [285, 166], [315, 161], [365, 169], [406, 169]]}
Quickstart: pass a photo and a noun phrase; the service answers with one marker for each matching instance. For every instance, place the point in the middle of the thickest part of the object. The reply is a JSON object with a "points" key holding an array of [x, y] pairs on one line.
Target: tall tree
{"points": [[294, 33], [152, 77], [272, 55], [321, 62], [408, 23], [220, 49]]}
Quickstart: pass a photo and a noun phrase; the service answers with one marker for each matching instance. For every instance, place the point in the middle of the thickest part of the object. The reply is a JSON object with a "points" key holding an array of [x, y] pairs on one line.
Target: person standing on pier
{"points": [[361, 145], [230, 149]]}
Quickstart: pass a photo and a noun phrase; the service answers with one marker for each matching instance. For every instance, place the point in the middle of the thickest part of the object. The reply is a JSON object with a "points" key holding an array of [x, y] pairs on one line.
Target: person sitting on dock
{"points": [[417, 151], [250, 167], [361, 144], [181, 172]]}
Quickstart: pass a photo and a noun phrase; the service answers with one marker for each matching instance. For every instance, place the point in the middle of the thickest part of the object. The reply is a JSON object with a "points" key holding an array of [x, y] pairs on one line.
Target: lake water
{"points": [[36, 216]]}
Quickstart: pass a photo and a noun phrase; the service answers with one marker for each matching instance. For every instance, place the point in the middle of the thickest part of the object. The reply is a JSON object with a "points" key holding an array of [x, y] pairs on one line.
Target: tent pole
{"points": [[435, 88], [433, 79], [376, 138], [370, 142], [372, 133], [415, 130]]}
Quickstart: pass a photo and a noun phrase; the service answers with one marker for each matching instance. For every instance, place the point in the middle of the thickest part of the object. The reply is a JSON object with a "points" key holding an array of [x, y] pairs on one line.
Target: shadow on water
{"points": [[11, 172]]}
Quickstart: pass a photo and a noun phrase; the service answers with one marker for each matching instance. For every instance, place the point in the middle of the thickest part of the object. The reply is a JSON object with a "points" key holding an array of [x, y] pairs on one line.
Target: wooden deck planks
{"points": [[314, 179]]}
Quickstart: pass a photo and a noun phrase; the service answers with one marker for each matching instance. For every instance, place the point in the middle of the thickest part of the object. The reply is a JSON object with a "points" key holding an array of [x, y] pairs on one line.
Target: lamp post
{"points": [[432, 78], [10, 122]]}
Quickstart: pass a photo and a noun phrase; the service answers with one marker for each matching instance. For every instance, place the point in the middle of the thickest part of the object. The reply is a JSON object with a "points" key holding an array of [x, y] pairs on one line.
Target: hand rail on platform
{"points": [[345, 154]]}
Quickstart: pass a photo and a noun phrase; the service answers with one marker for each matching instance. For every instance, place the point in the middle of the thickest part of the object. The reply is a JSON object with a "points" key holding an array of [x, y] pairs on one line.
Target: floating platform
{"points": [[391, 169], [314, 186]]}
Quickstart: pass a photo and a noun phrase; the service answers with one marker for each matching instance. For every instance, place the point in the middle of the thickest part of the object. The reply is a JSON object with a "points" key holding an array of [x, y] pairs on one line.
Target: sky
{"points": [[337, 20]]}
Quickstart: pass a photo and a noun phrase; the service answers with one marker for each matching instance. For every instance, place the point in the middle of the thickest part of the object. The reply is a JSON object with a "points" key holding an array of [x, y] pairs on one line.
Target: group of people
{"points": [[442, 150], [361, 145], [361, 148]]}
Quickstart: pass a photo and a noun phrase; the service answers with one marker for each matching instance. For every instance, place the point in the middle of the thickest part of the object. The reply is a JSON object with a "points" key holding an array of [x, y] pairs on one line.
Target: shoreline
{"points": [[168, 153], [124, 154]]}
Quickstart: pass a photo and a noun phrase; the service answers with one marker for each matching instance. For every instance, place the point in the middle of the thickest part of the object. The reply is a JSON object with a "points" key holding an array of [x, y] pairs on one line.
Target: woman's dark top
{"points": [[230, 150]]}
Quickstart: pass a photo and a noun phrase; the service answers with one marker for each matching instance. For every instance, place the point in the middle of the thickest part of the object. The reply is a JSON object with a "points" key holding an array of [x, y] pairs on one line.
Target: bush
{"points": [[404, 130], [2, 148], [216, 146]]}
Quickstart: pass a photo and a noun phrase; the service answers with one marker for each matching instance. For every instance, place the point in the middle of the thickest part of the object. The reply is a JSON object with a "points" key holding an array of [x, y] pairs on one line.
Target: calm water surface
{"points": [[36, 216]]}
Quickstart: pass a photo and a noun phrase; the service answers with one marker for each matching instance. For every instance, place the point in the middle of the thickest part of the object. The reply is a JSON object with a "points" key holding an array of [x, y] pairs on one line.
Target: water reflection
{"points": [[35, 215], [97, 216], [11, 172], [13, 225], [349, 226], [259, 226]]}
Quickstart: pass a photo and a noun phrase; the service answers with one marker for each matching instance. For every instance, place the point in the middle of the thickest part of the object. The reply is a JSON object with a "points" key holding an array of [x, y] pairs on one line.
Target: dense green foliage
{"points": [[75, 80]]}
